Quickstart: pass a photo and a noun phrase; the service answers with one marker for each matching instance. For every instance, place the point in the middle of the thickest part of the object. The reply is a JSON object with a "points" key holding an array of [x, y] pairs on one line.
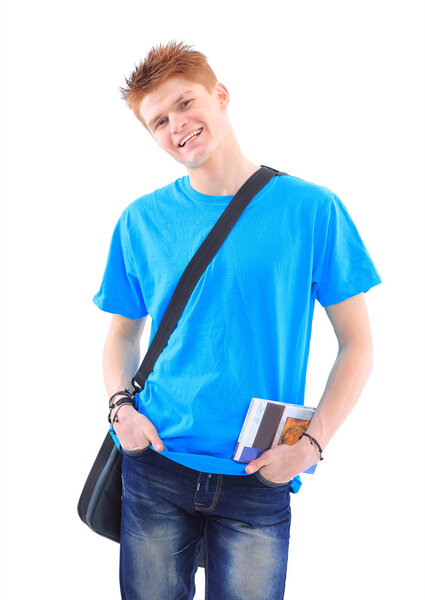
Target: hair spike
{"points": [[162, 62]]}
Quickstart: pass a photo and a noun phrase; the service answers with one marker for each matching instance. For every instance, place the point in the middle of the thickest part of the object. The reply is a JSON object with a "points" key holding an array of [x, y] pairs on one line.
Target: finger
{"points": [[154, 439], [265, 459], [252, 466]]}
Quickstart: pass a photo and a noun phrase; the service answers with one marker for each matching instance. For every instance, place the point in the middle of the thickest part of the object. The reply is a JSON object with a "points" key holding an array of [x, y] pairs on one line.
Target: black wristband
{"points": [[119, 403], [115, 418], [125, 393], [311, 442], [123, 399]]}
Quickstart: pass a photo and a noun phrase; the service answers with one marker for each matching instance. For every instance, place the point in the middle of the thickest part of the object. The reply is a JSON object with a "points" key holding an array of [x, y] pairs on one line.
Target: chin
{"points": [[195, 163], [191, 164]]}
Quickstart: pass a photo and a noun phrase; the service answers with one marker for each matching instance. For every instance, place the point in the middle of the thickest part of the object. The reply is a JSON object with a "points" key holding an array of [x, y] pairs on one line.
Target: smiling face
{"points": [[180, 107]]}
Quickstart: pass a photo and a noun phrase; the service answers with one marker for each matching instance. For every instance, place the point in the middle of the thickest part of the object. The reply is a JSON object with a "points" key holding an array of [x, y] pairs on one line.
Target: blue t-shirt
{"points": [[246, 328]]}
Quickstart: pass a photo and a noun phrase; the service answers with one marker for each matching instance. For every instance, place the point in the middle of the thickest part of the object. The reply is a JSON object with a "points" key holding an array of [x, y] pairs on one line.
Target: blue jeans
{"points": [[168, 508]]}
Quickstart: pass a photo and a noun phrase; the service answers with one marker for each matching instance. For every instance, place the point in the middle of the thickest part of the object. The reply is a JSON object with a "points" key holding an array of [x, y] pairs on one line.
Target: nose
{"points": [[177, 123]]}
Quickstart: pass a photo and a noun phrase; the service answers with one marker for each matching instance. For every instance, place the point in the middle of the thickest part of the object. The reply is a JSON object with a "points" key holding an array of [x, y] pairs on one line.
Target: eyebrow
{"points": [[179, 99]]}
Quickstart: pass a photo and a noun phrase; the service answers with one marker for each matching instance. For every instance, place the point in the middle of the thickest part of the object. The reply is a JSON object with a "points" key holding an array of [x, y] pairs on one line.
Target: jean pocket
{"points": [[269, 483], [137, 452]]}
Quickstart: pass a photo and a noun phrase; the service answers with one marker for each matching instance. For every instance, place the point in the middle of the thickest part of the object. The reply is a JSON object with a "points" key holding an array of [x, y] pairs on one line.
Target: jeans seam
{"points": [[135, 452], [206, 559], [272, 484], [217, 495], [194, 568]]}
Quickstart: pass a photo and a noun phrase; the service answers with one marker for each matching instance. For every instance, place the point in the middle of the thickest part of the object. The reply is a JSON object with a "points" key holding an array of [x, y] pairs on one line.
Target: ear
{"points": [[222, 94]]}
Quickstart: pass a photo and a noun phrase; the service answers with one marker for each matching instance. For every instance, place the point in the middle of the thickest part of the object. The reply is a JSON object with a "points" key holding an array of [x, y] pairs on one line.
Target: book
{"points": [[269, 423]]}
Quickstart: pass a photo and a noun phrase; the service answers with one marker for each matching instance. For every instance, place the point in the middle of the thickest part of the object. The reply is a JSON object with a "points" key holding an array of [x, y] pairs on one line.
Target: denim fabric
{"points": [[167, 508]]}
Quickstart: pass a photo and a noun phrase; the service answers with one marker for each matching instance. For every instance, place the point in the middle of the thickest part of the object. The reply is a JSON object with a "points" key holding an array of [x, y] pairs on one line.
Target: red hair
{"points": [[161, 63]]}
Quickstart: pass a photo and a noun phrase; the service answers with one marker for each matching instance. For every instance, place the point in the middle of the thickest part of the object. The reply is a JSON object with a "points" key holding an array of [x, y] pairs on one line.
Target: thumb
{"points": [[158, 444], [154, 439], [256, 464]]}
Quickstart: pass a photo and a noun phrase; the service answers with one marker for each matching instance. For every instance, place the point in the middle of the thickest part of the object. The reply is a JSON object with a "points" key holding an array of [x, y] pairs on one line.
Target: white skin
{"points": [[214, 161]]}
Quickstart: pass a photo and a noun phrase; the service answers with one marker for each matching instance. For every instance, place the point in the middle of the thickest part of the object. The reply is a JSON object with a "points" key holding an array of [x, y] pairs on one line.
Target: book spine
{"points": [[248, 427]]}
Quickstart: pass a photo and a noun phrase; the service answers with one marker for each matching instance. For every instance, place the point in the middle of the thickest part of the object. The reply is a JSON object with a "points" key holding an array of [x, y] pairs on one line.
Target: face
{"points": [[180, 107]]}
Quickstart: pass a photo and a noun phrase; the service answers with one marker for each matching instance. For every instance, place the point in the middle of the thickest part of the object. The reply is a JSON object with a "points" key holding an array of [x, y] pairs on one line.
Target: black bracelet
{"points": [[126, 393], [115, 419], [123, 399], [311, 442], [120, 402]]}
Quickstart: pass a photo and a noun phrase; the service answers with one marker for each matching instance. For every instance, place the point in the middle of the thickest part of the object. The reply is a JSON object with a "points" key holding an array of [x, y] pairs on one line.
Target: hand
{"points": [[134, 430], [284, 462]]}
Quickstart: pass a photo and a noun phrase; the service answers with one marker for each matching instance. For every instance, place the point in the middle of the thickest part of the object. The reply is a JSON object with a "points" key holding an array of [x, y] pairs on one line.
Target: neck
{"points": [[224, 172]]}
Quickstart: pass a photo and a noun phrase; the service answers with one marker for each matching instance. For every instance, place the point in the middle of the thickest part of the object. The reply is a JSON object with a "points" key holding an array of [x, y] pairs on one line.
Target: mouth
{"points": [[188, 139]]}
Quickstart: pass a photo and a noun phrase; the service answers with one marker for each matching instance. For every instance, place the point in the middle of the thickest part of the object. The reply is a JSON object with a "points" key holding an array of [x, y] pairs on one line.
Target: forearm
{"points": [[345, 383], [121, 358]]}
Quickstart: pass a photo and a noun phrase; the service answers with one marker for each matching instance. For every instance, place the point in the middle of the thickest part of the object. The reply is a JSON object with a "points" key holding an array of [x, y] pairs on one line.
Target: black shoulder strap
{"points": [[201, 259]]}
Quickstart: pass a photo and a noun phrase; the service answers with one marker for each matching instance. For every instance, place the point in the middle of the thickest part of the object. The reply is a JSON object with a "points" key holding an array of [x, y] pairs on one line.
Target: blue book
{"points": [[269, 423]]}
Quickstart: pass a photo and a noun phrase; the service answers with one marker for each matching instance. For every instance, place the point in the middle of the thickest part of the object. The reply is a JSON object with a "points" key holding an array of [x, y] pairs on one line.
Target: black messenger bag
{"points": [[99, 505]]}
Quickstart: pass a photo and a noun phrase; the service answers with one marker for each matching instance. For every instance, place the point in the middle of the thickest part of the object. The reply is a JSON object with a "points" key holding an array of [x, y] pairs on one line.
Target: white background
{"points": [[330, 91]]}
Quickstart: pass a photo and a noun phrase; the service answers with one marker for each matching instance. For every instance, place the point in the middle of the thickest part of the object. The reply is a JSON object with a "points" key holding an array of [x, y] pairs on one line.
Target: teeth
{"points": [[187, 138]]}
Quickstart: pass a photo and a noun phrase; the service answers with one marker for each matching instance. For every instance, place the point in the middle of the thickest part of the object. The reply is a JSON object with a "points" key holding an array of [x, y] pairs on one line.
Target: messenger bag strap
{"points": [[199, 262]]}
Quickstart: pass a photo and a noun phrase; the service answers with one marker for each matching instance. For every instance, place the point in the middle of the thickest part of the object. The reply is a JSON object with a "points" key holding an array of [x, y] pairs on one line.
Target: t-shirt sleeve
{"points": [[342, 265], [120, 291]]}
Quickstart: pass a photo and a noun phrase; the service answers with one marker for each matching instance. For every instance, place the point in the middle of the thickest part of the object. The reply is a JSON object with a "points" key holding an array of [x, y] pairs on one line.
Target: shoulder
{"points": [[313, 198], [145, 206]]}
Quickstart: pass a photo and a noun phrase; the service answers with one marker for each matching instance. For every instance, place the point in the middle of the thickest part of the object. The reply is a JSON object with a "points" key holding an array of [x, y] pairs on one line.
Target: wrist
{"points": [[310, 450], [314, 445], [118, 400], [125, 412], [120, 395]]}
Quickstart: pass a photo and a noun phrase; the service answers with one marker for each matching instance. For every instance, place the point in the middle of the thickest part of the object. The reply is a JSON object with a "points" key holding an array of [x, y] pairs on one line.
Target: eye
{"points": [[183, 104]]}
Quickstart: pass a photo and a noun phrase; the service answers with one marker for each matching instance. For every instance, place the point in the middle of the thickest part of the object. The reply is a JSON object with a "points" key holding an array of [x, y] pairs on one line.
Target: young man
{"points": [[244, 333]]}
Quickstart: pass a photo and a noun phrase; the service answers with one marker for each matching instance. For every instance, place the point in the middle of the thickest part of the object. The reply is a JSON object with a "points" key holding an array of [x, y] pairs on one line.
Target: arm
{"points": [[121, 359], [350, 371], [121, 353], [345, 383]]}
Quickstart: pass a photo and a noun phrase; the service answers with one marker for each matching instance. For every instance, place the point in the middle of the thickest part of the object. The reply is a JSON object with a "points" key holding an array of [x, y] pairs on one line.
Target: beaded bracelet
{"points": [[311, 442]]}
